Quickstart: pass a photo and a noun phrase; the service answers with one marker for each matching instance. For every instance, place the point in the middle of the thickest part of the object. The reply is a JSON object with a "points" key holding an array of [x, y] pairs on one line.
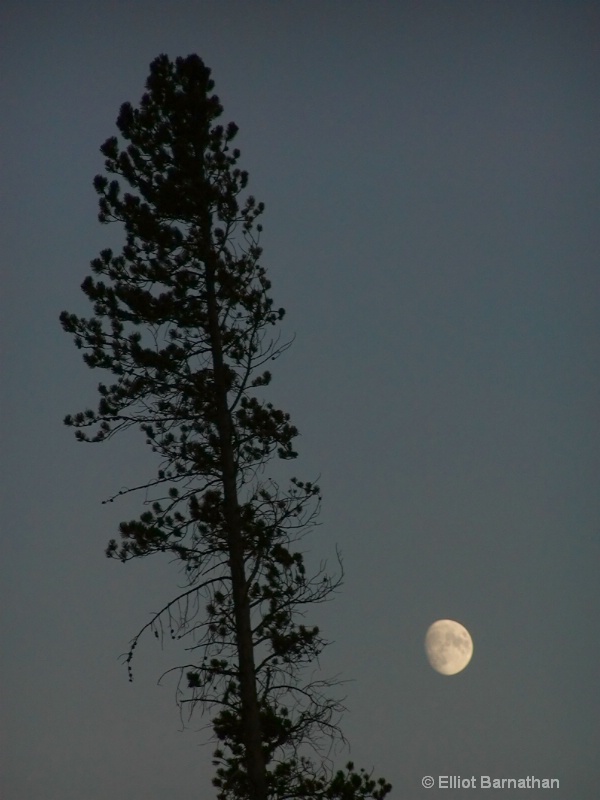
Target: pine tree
{"points": [[183, 320]]}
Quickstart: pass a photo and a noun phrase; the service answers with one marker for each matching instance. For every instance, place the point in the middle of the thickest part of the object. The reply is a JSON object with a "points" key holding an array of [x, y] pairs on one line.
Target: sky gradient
{"points": [[431, 178]]}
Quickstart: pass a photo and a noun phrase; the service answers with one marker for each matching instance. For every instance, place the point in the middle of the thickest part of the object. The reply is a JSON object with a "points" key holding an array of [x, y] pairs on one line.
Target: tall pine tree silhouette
{"points": [[183, 321]]}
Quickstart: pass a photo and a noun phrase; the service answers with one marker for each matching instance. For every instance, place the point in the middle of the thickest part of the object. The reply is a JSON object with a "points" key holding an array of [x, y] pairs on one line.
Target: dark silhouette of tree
{"points": [[182, 320]]}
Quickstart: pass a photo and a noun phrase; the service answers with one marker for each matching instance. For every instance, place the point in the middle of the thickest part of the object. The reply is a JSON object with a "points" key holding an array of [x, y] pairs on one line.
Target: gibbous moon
{"points": [[449, 646]]}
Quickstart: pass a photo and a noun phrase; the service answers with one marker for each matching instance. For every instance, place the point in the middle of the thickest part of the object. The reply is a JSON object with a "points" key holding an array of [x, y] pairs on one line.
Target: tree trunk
{"points": [[255, 762]]}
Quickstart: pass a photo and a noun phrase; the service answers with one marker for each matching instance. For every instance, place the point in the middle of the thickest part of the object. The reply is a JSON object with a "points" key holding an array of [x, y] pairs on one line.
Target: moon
{"points": [[448, 646]]}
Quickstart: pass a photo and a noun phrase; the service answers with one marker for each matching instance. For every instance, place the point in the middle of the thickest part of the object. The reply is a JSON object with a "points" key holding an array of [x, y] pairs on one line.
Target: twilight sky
{"points": [[431, 178]]}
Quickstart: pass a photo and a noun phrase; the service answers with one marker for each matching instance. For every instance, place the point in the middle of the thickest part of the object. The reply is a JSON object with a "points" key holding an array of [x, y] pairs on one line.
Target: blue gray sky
{"points": [[431, 179]]}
